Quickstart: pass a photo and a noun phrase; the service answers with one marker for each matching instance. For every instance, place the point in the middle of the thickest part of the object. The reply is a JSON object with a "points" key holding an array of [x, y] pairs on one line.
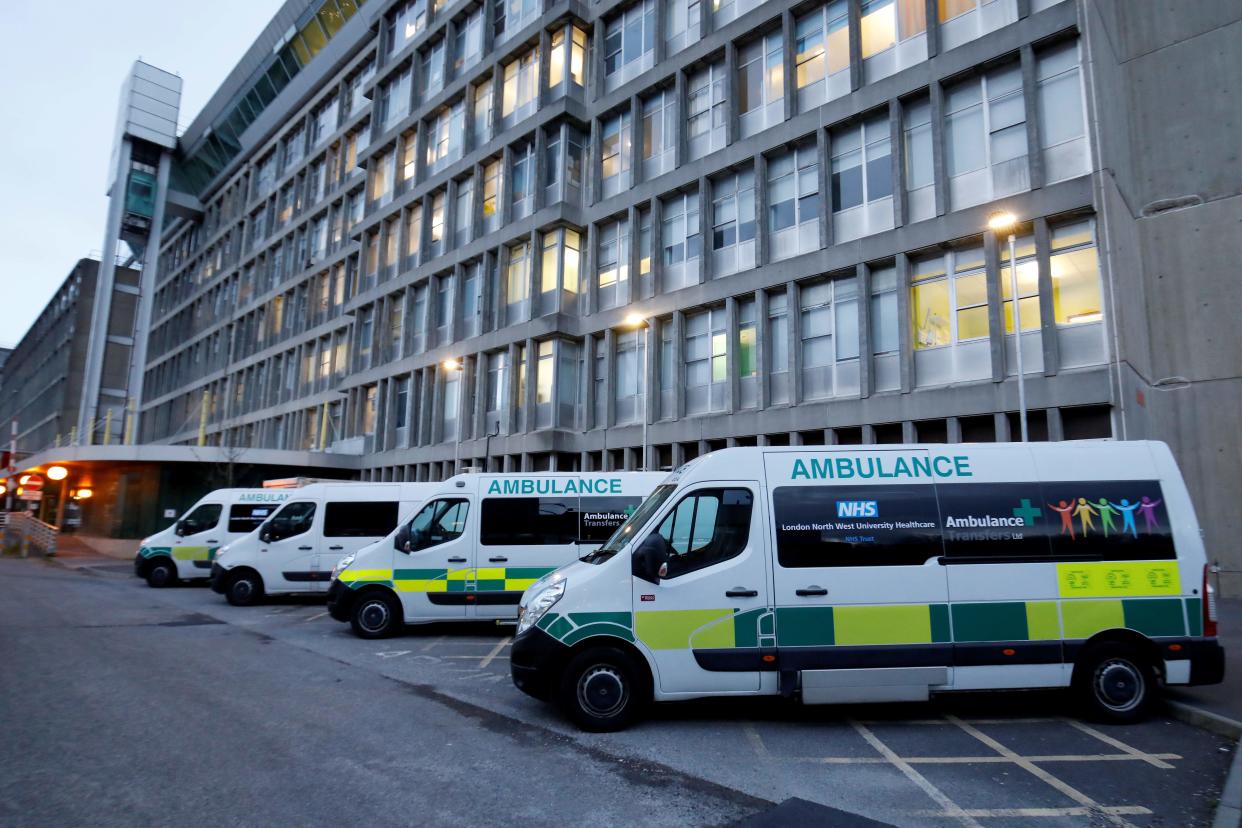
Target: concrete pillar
{"points": [[996, 316], [905, 341], [940, 180], [1047, 312], [866, 374], [1034, 140], [897, 157]]}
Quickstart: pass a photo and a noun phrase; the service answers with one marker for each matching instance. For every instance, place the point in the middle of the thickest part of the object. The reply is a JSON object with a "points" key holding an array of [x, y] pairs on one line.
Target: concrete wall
{"points": [[1170, 192]]}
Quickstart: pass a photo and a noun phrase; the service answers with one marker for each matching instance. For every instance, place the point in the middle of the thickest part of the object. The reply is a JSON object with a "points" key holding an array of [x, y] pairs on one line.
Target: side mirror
{"points": [[265, 535], [650, 560], [402, 541], [180, 529], [417, 540]]}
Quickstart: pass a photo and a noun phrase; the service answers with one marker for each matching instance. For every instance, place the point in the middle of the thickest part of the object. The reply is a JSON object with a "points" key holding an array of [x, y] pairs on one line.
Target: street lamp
{"points": [[636, 321], [451, 366], [57, 473], [1004, 221]]}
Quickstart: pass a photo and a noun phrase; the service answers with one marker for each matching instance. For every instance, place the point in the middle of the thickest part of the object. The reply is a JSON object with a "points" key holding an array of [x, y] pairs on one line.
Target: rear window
{"points": [[529, 521], [244, 518], [363, 519]]}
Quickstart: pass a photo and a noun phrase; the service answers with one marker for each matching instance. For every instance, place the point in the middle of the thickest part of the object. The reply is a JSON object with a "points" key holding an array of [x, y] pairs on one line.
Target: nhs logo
{"points": [[857, 509]]}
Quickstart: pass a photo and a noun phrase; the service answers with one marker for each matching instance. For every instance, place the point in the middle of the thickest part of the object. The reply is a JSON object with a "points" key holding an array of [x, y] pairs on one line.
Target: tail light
{"points": [[1209, 603]]}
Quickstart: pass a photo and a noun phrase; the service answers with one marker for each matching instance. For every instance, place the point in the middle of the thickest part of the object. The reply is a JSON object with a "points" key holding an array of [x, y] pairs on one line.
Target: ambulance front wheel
{"points": [[604, 689], [245, 589], [375, 615], [161, 572]]}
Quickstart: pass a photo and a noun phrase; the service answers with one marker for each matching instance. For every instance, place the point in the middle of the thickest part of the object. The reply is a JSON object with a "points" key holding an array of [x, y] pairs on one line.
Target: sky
{"points": [[61, 67]]}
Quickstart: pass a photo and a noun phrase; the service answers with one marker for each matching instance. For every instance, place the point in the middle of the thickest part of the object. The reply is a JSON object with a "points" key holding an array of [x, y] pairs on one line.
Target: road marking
{"points": [[495, 652], [432, 643], [1029, 766], [987, 760], [317, 615], [756, 741], [949, 807], [1128, 810], [1044, 720], [1155, 760], [393, 653]]}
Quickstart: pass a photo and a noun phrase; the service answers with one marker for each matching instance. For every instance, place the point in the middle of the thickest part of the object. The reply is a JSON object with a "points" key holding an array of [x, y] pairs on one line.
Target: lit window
{"points": [[822, 48], [707, 111], [629, 37], [616, 153], [520, 87], [1075, 275], [949, 299]]}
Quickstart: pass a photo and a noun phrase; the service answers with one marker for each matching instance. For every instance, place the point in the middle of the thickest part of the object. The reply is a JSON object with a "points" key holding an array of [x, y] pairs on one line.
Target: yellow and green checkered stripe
{"points": [[492, 579], [181, 553], [572, 627]]}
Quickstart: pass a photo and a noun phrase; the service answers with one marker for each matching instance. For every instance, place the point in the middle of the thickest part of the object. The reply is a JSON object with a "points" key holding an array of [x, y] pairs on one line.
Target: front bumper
{"points": [[1207, 661], [340, 600], [138, 559], [218, 580], [536, 663]]}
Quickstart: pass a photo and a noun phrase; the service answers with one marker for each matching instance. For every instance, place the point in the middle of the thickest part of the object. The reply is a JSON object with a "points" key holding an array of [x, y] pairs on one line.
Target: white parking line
{"points": [[1129, 810], [988, 760], [317, 615], [950, 808], [1029, 766], [432, 643], [1155, 760], [500, 645], [756, 741]]}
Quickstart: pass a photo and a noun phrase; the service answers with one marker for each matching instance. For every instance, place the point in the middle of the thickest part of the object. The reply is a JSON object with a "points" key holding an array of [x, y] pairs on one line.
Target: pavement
{"points": [[176, 707]]}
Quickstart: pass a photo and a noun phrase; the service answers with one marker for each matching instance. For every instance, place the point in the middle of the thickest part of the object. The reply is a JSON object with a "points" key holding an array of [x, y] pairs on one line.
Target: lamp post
{"points": [[450, 366], [636, 321], [1006, 222]]}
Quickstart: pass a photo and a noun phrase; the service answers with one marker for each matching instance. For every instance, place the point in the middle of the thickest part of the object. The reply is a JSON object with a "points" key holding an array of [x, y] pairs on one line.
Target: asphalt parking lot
{"points": [[981, 759]]}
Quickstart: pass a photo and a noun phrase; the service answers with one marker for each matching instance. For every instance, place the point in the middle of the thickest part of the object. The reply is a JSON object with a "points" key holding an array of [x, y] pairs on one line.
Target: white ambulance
{"points": [[477, 543], [294, 550], [186, 549], [884, 573]]}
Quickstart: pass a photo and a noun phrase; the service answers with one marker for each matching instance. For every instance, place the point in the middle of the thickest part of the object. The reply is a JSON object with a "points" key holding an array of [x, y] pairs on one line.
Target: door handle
{"points": [[456, 560], [305, 548], [213, 541], [335, 548], [498, 559], [810, 591], [740, 592]]}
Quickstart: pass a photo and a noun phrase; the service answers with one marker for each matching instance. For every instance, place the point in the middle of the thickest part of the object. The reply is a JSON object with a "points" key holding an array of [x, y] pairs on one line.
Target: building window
{"points": [[822, 44], [668, 370], [413, 234], [573, 55], [1075, 275], [512, 15], [708, 111], [356, 84], [985, 138], [483, 113], [431, 76], [679, 235], [471, 299], [949, 299], [405, 24], [1028, 284], [614, 264], [659, 133], [559, 270], [395, 98], [521, 86], [681, 24], [452, 404], [545, 365], [644, 253], [747, 359], [1062, 125], [628, 387], [468, 45], [323, 122], [523, 181], [463, 212], [517, 284], [436, 225], [444, 137], [616, 154], [886, 29], [495, 401], [491, 196], [293, 148], [920, 171], [383, 179], [761, 84], [964, 20], [862, 180], [829, 328], [733, 223], [366, 336], [794, 205], [629, 43], [885, 341], [706, 349]]}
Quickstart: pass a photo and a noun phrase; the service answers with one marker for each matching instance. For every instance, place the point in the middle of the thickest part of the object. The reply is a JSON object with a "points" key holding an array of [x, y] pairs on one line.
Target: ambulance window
{"points": [[707, 527], [529, 521], [359, 519], [204, 517], [882, 525], [995, 522], [600, 516], [294, 519], [440, 521], [1108, 520], [244, 518]]}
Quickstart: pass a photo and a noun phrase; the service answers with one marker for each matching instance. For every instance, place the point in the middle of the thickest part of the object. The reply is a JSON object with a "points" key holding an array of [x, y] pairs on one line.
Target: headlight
{"points": [[342, 565], [531, 611]]}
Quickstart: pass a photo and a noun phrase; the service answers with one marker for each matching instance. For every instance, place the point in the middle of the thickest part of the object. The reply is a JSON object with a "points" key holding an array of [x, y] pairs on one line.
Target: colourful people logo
{"points": [[1107, 511]]}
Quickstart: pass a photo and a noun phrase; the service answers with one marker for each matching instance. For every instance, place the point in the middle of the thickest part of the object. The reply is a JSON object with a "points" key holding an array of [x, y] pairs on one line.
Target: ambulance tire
{"points": [[604, 689], [375, 614], [245, 588], [161, 572], [1116, 682]]}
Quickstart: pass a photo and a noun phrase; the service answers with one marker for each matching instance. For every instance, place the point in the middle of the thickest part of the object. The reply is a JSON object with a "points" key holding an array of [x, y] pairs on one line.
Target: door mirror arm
{"points": [[650, 560]]}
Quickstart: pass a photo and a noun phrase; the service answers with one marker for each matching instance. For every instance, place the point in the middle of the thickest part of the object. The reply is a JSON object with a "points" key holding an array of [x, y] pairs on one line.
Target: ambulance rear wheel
{"points": [[161, 572], [1115, 682], [375, 615], [245, 589], [603, 690]]}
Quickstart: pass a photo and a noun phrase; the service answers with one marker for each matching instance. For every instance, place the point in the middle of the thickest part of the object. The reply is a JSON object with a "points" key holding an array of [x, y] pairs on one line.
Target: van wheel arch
{"points": [[627, 659], [390, 597], [150, 564], [1117, 676], [1118, 635], [251, 598]]}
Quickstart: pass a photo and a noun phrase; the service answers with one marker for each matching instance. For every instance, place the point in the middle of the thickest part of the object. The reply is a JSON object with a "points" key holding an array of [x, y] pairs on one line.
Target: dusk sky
{"points": [[64, 64]]}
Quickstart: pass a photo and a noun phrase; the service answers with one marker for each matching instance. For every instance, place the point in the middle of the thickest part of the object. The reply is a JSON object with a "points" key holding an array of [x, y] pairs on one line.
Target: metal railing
{"points": [[24, 533]]}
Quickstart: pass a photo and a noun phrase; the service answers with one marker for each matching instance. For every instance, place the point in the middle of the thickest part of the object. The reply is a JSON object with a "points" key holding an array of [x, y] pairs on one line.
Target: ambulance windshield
{"points": [[626, 530]]}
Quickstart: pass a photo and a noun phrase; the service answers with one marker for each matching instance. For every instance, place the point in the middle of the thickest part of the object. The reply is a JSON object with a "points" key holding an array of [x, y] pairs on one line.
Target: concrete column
{"points": [[588, 277], [1034, 155], [679, 364], [823, 149], [705, 228], [1056, 428], [506, 186], [651, 344], [908, 432], [762, 254], [532, 370], [731, 339], [732, 120], [940, 170], [593, 168], [793, 303], [681, 151], [450, 214], [589, 415], [1000, 420], [866, 374], [632, 291], [146, 297], [661, 7], [536, 272], [933, 28], [788, 46], [636, 140], [996, 315], [897, 156], [953, 430], [764, 397], [1047, 312], [868, 434], [657, 246], [855, 38], [1024, 9], [610, 379], [508, 414], [540, 172], [545, 51]]}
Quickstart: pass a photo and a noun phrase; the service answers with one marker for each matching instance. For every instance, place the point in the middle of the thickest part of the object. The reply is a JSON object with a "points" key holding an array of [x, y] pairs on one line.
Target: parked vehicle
{"points": [[477, 543], [850, 574], [295, 549], [186, 549]]}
